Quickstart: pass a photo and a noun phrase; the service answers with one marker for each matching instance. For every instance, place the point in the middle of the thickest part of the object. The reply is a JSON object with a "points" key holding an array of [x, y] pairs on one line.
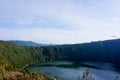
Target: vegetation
{"points": [[19, 74], [86, 76], [22, 56], [14, 57]]}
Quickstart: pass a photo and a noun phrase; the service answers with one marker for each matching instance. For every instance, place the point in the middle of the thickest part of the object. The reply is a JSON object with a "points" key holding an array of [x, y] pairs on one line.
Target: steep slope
{"points": [[18, 56], [102, 51], [22, 56], [14, 57]]}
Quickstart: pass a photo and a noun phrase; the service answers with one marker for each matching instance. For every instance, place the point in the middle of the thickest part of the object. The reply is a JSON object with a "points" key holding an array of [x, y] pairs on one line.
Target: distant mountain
{"points": [[26, 43]]}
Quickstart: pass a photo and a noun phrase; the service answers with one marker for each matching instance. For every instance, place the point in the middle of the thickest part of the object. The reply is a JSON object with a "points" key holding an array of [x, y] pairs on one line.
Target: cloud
{"points": [[59, 21], [114, 36], [53, 35]]}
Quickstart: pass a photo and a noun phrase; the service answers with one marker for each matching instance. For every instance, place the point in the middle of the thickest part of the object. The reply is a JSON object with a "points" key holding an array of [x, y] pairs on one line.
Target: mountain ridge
{"points": [[101, 51], [26, 43]]}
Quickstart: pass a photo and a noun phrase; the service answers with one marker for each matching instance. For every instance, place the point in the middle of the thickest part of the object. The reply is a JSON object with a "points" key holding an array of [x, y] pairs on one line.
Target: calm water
{"points": [[70, 71]]}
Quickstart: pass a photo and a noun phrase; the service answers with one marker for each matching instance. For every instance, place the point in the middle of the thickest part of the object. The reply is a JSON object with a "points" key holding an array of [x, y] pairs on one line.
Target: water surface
{"points": [[71, 70]]}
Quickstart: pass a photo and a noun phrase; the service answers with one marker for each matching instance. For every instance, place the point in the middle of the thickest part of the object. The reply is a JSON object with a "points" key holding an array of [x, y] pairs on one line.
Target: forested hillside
{"points": [[21, 56]]}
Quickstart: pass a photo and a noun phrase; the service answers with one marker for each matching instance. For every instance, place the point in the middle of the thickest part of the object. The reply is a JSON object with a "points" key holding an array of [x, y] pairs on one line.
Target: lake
{"points": [[66, 70]]}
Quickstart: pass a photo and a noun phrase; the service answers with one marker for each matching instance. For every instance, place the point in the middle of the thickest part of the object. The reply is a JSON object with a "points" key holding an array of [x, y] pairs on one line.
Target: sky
{"points": [[59, 21]]}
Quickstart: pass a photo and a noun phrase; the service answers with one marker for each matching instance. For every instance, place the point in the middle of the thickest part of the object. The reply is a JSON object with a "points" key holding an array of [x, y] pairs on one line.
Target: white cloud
{"points": [[54, 36], [59, 21]]}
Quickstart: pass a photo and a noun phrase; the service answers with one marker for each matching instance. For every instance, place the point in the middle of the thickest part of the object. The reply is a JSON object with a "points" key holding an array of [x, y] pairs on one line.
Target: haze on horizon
{"points": [[59, 21]]}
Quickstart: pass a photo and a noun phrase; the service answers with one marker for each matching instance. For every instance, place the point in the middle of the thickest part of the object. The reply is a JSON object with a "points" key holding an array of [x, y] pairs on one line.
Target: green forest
{"points": [[15, 57]]}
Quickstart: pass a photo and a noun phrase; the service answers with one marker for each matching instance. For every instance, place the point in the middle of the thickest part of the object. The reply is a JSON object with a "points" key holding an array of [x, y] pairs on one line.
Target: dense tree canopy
{"points": [[22, 56]]}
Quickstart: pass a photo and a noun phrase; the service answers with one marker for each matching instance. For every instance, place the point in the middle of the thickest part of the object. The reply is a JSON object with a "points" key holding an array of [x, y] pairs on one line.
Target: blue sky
{"points": [[59, 21]]}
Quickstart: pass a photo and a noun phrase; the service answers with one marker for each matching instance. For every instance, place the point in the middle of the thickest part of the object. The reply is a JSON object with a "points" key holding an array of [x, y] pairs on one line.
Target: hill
{"points": [[14, 57], [101, 51], [26, 43]]}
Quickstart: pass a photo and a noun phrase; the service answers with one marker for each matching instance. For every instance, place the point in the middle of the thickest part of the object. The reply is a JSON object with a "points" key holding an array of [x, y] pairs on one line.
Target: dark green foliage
{"points": [[21, 56]]}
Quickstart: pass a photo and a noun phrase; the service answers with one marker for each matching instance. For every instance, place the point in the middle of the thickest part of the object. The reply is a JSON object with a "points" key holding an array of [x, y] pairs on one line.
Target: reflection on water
{"points": [[70, 71]]}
